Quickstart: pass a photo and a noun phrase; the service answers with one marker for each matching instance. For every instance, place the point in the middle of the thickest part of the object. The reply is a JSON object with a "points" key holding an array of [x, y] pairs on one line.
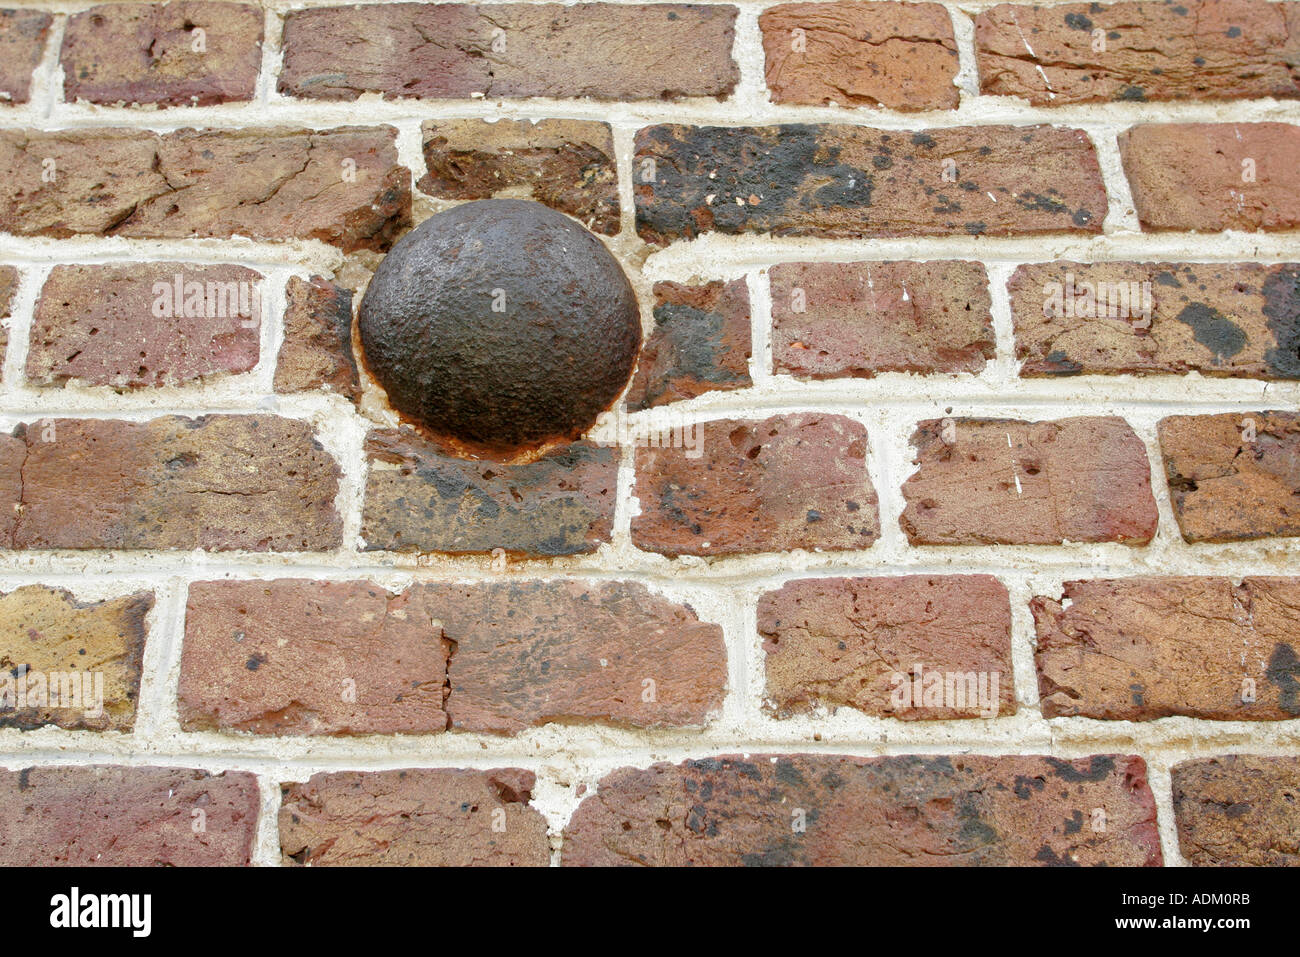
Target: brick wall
{"points": [[878, 441]]}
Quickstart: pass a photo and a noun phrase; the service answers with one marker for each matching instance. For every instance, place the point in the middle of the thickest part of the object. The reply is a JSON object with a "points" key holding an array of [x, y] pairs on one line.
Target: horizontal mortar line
{"points": [[372, 109], [764, 249], [1108, 395], [755, 570], [91, 250], [427, 753]]}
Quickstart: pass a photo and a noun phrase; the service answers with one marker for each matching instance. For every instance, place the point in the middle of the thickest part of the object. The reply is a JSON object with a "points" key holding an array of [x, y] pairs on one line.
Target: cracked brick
{"points": [[1238, 810]]}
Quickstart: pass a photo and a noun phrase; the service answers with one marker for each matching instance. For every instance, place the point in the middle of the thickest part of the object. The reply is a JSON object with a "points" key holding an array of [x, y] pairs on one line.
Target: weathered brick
{"points": [[294, 657], [419, 497], [836, 320], [255, 482], [126, 816], [1136, 649], [430, 817], [601, 50], [22, 44], [700, 343], [853, 182], [13, 453], [1213, 176], [901, 56], [789, 481], [1010, 482], [151, 324], [8, 286], [1197, 49], [150, 53], [71, 663], [904, 810], [866, 643], [341, 186], [1234, 476], [1238, 810], [566, 164], [1233, 319], [317, 349], [530, 653]]}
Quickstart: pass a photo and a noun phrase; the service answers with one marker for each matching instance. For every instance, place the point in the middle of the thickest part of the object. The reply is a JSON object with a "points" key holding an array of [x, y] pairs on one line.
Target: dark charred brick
{"points": [[418, 497], [700, 343], [782, 810], [565, 164], [1238, 810], [317, 349], [1236, 319], [853, 182]]}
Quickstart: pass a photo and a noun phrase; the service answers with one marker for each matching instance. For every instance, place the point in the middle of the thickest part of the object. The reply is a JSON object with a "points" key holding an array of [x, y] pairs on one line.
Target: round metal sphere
{"points": [[500, 322]]}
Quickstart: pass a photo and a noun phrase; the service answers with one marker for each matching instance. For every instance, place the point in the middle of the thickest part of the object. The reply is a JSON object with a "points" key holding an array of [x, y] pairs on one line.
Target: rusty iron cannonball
{"points": [[501, 322]]}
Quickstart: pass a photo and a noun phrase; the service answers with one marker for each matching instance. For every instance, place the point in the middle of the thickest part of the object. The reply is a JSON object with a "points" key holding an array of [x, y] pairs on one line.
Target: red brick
{"points": [[145, 53], [1191, 175], [267, 184], [255, 482], [566, 164], [837, 320], [1233, 319], [420, 497], [13, 453], [22, 44], [901, 56], [294, 657], [1233, 477], [530, 653], [317, 349], [601, 50], [700, 343], [1238, 810], [904, 810], [126, 816], [865, 642], [418, 817], [75, 664], [1137, 649], [1009, 482], [1198, 49], [8, 286], [101, 325], [738, 487], [851, 182]]}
